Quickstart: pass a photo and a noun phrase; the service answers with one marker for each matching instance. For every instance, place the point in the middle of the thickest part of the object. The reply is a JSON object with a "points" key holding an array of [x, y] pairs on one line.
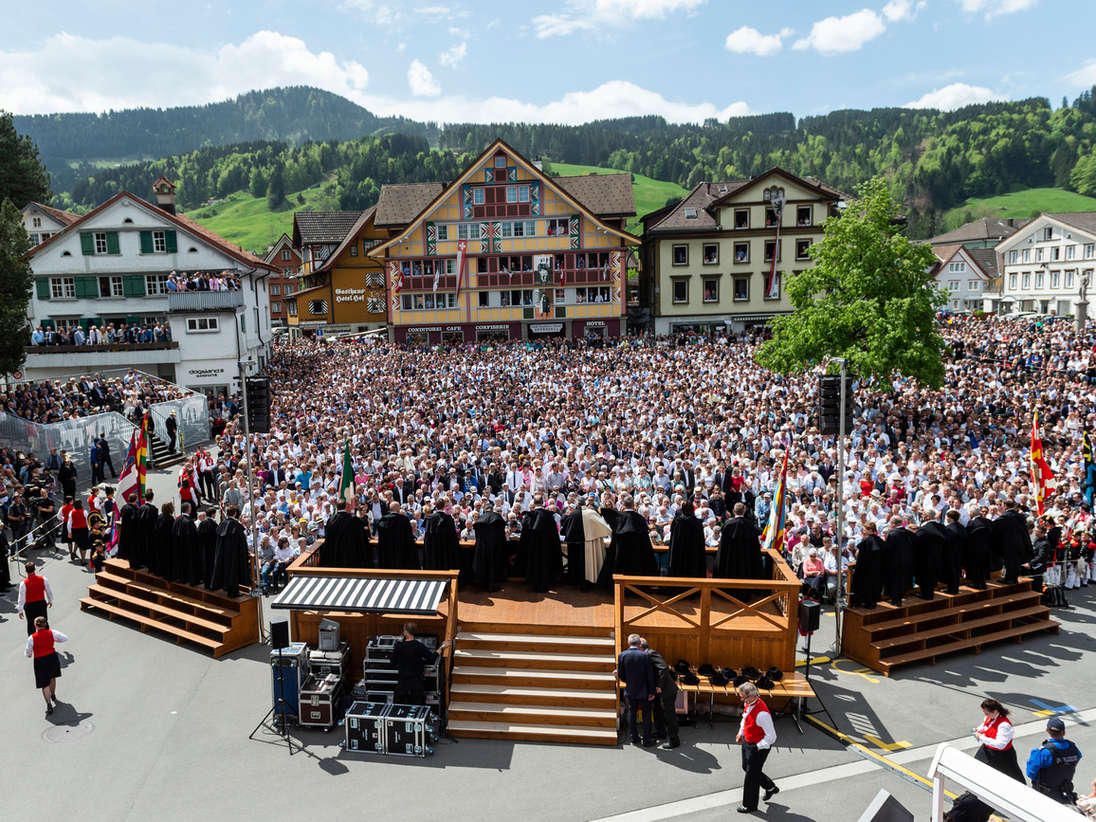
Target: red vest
{"points": [[36, 588], [990, 729], [43, 642], [750, 729], [79, 519]]}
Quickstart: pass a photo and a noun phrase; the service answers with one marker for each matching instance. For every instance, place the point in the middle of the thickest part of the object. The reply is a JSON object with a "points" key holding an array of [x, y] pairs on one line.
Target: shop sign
{"points": [[494, 327], [420, 329], [546, 328], [350, 295]]}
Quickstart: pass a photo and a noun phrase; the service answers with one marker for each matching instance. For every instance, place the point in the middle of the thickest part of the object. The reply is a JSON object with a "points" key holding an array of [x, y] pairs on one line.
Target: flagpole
{"points": [[256, 580], [839, 595]]}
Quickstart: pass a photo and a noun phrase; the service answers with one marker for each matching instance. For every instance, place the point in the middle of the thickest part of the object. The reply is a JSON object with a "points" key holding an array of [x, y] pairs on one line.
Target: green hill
{"points": [[1025, 203], [247, 221], [650, 194]]}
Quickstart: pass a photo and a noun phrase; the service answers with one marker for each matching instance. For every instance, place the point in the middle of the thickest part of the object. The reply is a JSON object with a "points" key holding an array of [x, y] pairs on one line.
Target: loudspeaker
{"points": [[885, 808], [810, 613], [279, 634]]}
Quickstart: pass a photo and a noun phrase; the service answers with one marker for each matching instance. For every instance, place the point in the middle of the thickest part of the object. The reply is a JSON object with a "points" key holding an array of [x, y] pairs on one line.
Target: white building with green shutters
{"points": [[112, 266]]}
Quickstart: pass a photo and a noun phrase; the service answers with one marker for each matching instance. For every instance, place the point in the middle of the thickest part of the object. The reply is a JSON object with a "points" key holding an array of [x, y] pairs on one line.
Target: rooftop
{"points": [[985, 228], [310, 227]]}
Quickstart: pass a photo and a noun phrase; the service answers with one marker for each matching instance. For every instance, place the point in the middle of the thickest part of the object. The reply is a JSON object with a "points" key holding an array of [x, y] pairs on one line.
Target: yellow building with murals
{"points": [[505, 252]]}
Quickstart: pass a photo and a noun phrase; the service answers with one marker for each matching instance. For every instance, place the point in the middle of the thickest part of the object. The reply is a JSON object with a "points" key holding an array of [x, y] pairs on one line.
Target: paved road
{"points": [[151, 730]]}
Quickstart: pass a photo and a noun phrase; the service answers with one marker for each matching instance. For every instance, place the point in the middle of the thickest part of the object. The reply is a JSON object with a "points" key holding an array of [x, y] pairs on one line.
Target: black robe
{"points": [[129, 531], [396, 542], [161, 559], [955, 547], [898, 564], [544, 554], [441, 549], [687, 549], [930, 540], [739, 554], [976, 559], [146, 537], [1011, 542], [231, 563], [345, 544], [575, 537], [186, 553], [491, 552], [207, 540], [633, 554], [867, 574]]}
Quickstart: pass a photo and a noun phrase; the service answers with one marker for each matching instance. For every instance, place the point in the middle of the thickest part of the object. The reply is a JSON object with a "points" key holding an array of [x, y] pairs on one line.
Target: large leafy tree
{"points": [[15, 283], [869, 298], [22, 176]]}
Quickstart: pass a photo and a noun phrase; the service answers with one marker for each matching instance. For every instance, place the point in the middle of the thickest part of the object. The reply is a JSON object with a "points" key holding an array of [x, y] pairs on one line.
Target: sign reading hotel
{"points": [[349, 295]]}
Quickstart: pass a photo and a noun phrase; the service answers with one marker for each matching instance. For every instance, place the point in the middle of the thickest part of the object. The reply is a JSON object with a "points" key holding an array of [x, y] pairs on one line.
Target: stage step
{"points": [[507, 628], [180, 634], [954, 628], [591, 735], [161, 457], [974, 643], [206, 610], [214, 629], [532, 714], [905, 623], [484, 657], [583, 680], [541, 643], [515, 695]]}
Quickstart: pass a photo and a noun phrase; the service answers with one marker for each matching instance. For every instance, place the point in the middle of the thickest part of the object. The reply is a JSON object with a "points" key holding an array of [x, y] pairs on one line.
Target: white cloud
{"points": [[69, 73], [954, 96], [421, 81], [381, 14], [838, 35], [996, 8], [586, 15], [747, 40], [454, 56], [898, 10], [1084, 76], [72, 73]]}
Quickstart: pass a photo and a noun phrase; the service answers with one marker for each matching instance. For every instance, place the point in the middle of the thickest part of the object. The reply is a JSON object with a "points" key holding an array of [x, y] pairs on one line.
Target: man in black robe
{"points": [[146, 528], [186, 554], [441, 549], [160, 562], [867, 574], [128, 529], [345, 543], [231, 561], [575, 537], [633, 553], [898, 561], [688, 556], [739, 554], [491, 553], [1012, 541], [955, 547], [929, 541], [977, 557], [396, 541], [207, 542], [544, 554]]}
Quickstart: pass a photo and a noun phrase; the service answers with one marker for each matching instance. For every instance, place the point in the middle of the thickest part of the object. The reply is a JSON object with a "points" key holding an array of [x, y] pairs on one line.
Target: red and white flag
{"points": [[395, 273]]}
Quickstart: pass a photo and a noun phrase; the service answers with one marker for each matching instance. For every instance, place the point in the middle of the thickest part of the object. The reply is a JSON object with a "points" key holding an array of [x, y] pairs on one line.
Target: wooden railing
{"points": [[690, 602]]}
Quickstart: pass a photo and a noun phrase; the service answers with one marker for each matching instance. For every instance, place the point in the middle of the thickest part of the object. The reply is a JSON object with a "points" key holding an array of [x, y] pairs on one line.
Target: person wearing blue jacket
{"points": [[1051, 766]]}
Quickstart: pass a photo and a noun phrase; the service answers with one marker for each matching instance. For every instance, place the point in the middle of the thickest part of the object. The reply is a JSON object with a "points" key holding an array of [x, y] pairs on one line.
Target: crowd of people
{"points": [[47, 401], [94, 335], [202, 281]]}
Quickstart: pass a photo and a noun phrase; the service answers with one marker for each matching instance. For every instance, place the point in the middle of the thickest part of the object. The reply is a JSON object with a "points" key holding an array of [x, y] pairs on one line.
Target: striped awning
{"points": [[372, 594]]}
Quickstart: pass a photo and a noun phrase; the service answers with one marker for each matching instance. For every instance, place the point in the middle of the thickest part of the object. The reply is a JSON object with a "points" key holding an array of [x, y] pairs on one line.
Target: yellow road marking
{"points": [[861, 672], [888, 746], [814, 660], [886, 763]]}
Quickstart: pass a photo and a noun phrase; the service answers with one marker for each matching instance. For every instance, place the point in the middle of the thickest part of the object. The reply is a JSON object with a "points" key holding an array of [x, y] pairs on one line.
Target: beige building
{"points": [[720, 259]]}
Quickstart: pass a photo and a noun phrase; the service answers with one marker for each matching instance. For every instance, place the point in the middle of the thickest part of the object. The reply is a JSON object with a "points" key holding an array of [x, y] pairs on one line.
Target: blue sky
{"points": [[561, 61]]}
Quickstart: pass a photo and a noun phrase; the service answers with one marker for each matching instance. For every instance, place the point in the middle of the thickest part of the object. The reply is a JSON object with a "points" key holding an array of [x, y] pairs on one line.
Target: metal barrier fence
{"points": [[191, 416]]}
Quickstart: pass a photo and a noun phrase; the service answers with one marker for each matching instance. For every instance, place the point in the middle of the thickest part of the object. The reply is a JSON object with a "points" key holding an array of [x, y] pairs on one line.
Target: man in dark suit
{"points": [[637, 672], [275, 475], [1012, 540], [665, 704]]}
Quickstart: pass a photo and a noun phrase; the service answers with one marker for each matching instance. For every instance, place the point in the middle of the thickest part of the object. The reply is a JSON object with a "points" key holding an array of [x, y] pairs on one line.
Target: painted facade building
{"points": [[505, 252], [719, 259], [1044, 264], [285, 261]]}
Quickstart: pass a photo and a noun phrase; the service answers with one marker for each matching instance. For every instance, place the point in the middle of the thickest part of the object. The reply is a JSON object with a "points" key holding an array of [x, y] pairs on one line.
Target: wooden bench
{"points": [[212, 611], [954, 628], [145, 622], [958, 610], [190, 620], [974, 643]]}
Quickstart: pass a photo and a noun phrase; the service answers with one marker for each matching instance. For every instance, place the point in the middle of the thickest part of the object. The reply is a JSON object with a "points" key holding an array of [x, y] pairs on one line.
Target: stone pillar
{"points": [[1081, 316]]}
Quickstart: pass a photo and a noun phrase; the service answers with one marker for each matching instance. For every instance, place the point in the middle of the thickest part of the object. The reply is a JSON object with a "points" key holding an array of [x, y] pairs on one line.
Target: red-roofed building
{"points": [[42, 221], [282, 283]]}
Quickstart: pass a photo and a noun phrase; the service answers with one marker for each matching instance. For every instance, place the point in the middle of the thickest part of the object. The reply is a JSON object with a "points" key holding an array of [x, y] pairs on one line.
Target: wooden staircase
{"points": [[920, 630], [535, 683], [160, 457], [212, 621]]}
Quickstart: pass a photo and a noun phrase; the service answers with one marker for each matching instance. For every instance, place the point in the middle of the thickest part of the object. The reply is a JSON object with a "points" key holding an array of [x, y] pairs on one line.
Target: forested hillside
{"points": [[934, 160]]}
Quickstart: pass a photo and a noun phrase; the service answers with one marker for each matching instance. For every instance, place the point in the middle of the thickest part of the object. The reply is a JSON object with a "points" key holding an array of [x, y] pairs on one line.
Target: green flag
{"points": [[346, 481]]}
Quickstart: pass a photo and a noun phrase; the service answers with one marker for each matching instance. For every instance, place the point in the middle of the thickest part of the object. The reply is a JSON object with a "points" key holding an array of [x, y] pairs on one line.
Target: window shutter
{"points": [[42, 284], [46, 323], [87, 287], [87, 243], [133, 285], [112, 243], [146, 242], [170, 242]]}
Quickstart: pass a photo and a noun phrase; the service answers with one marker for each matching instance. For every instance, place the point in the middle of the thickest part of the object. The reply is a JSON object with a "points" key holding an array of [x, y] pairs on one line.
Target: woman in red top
{"points": [[47, 665], [78, 527], [995, 734], [66, 534]]}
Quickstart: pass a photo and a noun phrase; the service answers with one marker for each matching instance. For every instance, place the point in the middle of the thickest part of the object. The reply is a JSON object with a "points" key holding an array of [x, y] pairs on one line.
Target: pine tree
{"points": [[22, 176], [15, 285], [275, 189]]}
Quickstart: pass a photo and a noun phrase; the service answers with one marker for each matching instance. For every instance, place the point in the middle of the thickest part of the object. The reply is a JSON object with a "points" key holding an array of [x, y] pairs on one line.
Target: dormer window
{"points": [[690, 213], [500, 161]]}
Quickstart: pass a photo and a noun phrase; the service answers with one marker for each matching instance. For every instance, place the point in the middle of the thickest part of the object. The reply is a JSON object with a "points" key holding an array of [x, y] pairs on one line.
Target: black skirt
{"points": [[46, 668]]}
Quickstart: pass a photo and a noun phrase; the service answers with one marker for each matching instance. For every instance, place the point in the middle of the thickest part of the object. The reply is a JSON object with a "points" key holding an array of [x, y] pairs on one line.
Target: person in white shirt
{"points": [[47, 665], [757, 735]]}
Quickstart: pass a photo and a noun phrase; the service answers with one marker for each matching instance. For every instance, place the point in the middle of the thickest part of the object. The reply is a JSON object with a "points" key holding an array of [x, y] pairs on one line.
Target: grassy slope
{"points": [[650, 194], [246, 221], [1019, 204]]}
